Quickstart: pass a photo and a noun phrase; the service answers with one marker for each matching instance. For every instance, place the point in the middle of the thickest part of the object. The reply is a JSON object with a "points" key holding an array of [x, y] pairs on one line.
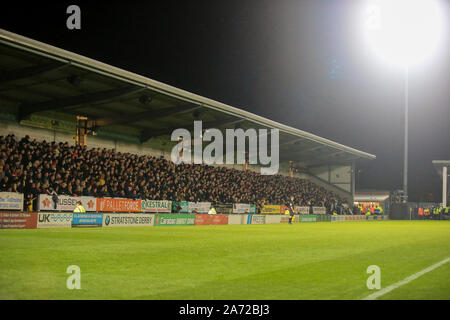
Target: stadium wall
{"points": [[338, 175], [320, 182]]}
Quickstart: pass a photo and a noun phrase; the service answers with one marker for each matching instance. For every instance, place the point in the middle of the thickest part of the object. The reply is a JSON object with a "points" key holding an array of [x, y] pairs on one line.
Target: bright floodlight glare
{"points": [[404, 32]]}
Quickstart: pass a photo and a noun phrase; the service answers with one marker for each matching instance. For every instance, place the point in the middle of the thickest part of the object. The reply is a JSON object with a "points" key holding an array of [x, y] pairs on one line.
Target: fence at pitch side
{"points": [[410, 211], [62, 203], [33, 220], [280, 209], [48, 203]]}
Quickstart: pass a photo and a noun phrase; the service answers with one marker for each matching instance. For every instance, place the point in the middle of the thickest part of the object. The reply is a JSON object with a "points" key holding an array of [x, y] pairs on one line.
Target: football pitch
{"points": [[279, 261]]}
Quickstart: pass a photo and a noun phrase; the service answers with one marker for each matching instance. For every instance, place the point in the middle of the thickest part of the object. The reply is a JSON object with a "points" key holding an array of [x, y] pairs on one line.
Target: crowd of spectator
{"points": [[34, 168]]}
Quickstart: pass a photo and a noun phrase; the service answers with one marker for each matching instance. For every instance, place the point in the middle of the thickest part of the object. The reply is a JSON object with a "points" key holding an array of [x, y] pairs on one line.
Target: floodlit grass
{"points": [[279, 261]]}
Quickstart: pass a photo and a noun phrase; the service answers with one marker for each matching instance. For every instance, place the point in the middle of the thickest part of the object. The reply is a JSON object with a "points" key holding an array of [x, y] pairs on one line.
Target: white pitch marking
{"points": [[406, 280]]}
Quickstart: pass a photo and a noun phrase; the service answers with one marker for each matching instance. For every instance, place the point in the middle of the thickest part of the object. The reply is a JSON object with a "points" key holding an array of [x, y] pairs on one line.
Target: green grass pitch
{"points": [[279, 261]]}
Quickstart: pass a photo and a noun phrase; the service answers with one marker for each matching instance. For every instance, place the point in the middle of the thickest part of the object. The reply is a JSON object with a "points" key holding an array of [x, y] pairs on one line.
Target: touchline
{"points": [[213, 152]]}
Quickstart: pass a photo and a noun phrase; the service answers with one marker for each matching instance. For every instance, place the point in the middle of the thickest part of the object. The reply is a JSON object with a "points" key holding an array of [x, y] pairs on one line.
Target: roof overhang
{"points": [[370, 198], [40, 79], [371, 195]]}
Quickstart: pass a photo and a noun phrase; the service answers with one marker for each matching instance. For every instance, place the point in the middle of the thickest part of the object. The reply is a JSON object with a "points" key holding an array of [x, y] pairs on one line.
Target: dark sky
{"points": [[275, 59]]}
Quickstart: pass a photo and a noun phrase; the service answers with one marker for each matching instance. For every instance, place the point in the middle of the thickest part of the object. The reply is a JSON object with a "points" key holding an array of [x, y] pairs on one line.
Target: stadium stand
{"points": [[33, 167], [49, 94]]}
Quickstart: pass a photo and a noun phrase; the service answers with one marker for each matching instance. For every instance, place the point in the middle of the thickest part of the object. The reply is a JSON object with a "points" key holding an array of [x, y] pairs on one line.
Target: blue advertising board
{"points": [[87, 220]]}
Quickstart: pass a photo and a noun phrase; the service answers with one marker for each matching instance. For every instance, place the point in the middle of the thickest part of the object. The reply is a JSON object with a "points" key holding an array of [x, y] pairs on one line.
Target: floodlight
{"points": [[404, 32]]}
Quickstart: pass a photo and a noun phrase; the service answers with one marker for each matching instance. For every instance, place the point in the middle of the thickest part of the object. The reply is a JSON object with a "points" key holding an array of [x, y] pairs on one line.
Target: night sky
{"points": [[301, 63]]}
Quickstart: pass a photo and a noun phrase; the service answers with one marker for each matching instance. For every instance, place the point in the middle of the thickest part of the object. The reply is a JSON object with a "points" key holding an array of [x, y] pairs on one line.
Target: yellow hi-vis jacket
{"points": [[379, 210], [212, 211], [79, 208]]}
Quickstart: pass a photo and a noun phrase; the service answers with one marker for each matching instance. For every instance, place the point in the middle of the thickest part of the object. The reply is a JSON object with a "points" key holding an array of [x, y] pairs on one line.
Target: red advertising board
{"points": [[18, 220], [118, 205], [211, 219], [202, 219], [218, 219]]}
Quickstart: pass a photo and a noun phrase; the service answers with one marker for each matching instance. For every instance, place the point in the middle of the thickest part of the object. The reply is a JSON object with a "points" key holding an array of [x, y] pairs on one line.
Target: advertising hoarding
{"points": [[301, 210], [211, 219], [273, 218], [87, 220], [319, 210], [244, 208], [11, 201], [128, 220], [174, 219], [271, 209], [158, 206], [118, 205], [54, 220], [18, 220], [64, 203], [257, 219]]}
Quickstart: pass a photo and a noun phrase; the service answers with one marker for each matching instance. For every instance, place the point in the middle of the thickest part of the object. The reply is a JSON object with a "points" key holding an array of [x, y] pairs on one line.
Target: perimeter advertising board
{"points": [[273, 218], [158, 206], [224, 208], [18, 220], [211, 219], [87, 220], [174, 219], [47, 202], [380, 217], [271, 209], [305, 218], [202, 219], [189, 207], [219, 219], [244, 208], [118, 205], [319, 210], [340, 218], [235, 219], [257, 219], [128, 220], [202, 207], [54, 220], [301, 210], [11, 201], [354, 218], [183, 207], [323, 218]]}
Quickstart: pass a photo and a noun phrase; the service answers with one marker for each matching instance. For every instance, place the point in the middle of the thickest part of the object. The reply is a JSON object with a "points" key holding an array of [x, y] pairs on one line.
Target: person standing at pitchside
{"points": [[79, 207], [291, 210]]}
